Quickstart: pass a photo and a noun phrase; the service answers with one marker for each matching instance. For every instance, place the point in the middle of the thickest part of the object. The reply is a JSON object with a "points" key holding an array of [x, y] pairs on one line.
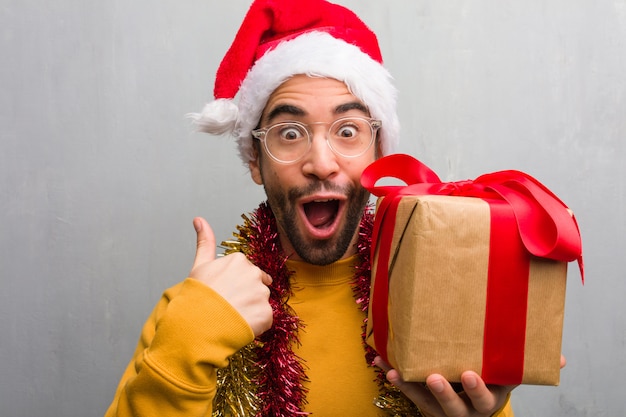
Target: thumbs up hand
{"points": [[234, 277]]}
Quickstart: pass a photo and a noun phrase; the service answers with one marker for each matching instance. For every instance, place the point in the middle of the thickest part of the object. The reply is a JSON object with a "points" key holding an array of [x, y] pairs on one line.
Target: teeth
{"points": [[323, 201]]}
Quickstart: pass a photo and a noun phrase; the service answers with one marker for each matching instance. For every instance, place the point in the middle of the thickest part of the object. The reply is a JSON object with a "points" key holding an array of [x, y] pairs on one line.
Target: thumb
{"points": [[205, 244]]}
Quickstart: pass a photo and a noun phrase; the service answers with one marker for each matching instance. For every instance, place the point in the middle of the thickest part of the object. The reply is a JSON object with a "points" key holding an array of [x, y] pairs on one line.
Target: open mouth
{"points": [[321, 214]]}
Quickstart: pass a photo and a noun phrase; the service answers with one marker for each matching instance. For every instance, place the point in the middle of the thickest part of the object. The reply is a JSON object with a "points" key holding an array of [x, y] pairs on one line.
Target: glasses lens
{"points": [[287, 142], [351, 136]]}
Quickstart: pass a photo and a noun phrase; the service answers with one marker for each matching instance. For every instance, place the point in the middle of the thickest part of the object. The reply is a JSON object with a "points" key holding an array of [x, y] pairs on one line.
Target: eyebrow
{"points": [[353, 105], [297, 111], [285, 109]]}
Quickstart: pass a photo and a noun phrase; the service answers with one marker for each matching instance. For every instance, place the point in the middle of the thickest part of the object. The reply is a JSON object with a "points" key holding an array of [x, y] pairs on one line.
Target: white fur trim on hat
{"points": [[217, 117]]}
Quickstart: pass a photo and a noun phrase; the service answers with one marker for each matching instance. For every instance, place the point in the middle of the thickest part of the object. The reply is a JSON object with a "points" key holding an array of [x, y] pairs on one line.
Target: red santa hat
{"points": [[282, 38]]}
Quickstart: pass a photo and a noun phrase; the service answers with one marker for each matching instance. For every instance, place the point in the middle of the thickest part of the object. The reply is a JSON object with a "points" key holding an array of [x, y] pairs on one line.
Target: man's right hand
{"points": [[234, 277]]}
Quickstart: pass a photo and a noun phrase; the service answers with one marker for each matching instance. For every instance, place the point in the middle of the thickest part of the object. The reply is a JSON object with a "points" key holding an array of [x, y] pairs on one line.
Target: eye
{"points": [[290, 133], [347, 130]]}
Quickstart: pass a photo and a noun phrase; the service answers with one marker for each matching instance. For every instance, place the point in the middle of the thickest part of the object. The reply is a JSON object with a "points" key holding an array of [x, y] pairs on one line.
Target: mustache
{"points": [[316, 186]]}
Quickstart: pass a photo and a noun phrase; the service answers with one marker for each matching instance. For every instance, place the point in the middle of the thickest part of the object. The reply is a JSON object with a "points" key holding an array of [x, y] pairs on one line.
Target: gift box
{"points": [[468, 275]]}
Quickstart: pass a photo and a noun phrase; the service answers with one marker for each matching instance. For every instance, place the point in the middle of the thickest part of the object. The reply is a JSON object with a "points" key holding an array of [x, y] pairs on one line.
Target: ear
{"points": [[255, 169]]}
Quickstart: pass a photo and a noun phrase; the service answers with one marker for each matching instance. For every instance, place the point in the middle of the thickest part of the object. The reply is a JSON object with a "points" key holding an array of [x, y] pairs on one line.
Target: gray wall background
{"points": [[101, 175]]}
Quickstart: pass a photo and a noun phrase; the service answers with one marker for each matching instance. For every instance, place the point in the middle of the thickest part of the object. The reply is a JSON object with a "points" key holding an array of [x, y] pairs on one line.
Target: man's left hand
{"points": [[438, 399]]}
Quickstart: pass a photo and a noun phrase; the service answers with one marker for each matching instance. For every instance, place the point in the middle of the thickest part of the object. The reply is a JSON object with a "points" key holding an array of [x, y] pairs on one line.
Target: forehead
{"points": [[312, 96]]}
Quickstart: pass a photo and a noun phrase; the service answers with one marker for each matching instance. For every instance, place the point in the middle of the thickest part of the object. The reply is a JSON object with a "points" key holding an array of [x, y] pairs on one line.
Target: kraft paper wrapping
{"points": [[437, 291]]}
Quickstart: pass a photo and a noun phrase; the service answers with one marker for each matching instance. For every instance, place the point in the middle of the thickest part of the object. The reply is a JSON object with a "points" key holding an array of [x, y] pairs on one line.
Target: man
{"points": [[277, 331]]}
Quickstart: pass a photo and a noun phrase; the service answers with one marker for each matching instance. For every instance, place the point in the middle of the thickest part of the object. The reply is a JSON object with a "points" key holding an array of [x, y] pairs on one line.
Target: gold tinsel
{"points": [[236, 396], [395, 403]]}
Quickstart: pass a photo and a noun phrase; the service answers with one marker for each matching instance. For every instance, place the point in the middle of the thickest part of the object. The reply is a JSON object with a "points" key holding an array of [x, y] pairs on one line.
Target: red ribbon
{"points": [[526, 219]]}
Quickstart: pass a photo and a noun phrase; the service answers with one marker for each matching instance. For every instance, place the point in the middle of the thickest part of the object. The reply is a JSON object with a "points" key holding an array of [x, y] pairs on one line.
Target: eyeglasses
{"points": [[287, 142]]}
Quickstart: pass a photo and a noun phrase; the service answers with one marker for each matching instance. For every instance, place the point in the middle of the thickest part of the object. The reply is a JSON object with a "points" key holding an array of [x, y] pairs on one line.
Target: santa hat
{"points": [[282, 38]]}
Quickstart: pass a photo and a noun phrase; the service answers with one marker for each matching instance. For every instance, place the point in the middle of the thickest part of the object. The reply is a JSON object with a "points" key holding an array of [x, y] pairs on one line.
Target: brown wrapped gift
{"points": [[439, 278]]}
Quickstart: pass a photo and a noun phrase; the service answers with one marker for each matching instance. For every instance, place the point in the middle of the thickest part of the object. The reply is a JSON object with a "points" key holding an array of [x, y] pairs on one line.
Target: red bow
{"points": [[546, 226]]}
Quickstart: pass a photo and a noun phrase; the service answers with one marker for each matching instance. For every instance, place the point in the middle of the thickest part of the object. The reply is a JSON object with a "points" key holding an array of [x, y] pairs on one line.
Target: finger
{"points": [[448, 400], [267, 280], [378, 361], [205, 242], [484, 399], [563, 362]]}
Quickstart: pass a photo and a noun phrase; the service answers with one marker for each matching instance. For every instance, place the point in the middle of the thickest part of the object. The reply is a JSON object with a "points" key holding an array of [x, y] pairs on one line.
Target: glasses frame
{"points": [[260, 134]]}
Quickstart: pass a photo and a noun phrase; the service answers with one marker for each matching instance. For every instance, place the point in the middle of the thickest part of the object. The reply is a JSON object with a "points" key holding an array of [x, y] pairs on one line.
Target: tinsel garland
{"points": [[266, 378]]}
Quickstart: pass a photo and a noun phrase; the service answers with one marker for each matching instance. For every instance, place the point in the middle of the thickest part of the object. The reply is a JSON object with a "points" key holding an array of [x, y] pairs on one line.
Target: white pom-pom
{"points": [[217, 117]]}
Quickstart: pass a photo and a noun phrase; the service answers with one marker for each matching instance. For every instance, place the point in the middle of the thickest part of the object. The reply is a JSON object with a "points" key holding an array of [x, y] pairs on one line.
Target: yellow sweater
{"points": [[193, 330]]}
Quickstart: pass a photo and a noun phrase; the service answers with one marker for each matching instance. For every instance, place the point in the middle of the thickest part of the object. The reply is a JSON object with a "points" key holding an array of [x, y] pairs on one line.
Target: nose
{"points": [[320, 162]]}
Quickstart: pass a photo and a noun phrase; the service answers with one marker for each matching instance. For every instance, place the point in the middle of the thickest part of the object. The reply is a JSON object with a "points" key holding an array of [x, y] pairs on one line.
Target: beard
{"points": [[315, 251]]}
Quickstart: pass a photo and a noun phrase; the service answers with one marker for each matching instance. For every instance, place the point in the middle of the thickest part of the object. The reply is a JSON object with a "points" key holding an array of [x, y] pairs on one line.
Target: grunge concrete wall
{"points": [[101, 175]]}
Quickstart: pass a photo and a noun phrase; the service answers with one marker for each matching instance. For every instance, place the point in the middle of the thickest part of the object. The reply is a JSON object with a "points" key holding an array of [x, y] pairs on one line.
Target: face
{"points": [[318, 201]]}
